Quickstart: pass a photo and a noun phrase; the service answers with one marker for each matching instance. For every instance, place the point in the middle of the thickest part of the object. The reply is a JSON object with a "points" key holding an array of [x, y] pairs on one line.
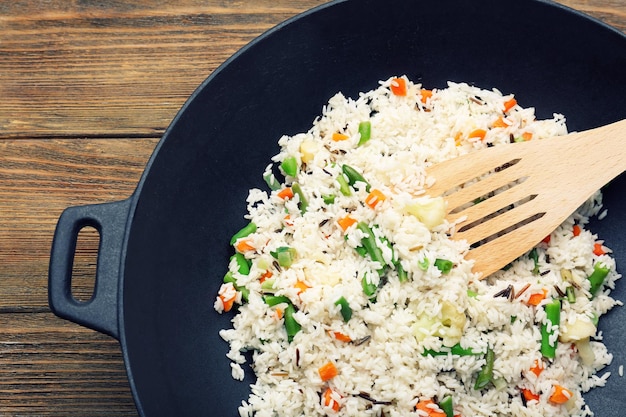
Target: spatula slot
{"points": [[508, 230], [495, 214], [471, 196], [465, 180]]}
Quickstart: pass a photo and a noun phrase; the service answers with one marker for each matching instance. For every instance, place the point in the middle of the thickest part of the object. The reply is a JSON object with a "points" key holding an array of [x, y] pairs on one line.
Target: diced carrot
{"points": [[329, 401], [328, 371], [560, 395], [537, 368], [301, 286], [509, 104], [546, 239], [527, 136], [244, 245], [478, 133], [430, 407], [278, 313], [374, 197], [425, 95], [537, 297], [398, 86], [268, 274], [286, 193], [227, 303], [346, 222], [338, 137], [576, 230], [598, 249], [340, 336], [500, 122], [227, 295], [287, 220], [529, 395]]}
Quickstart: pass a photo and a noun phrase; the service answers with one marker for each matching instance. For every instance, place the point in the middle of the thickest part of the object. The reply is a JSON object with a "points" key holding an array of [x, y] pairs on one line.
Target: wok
{"points": [[164, 250]]}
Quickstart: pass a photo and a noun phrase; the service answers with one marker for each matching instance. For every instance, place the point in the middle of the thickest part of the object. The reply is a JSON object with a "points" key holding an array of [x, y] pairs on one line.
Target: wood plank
{"points": [[79, 68], [611, 12], [49, 364], [38, 180]]}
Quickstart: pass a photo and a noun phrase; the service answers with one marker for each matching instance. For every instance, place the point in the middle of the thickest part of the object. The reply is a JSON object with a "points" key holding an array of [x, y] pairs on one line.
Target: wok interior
{"points": [[192, 197]]}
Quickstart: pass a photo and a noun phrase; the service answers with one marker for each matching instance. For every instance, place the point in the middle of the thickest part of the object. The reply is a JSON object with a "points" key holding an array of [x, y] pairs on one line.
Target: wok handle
{"points": [[101, 311]]}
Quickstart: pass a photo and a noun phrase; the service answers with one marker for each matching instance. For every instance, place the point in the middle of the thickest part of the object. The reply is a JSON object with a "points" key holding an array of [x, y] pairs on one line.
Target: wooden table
{"points": [[86, 90]]}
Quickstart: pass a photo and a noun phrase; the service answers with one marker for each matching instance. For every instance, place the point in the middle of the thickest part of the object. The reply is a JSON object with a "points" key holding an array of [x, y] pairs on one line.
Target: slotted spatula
{"points": [[546, 180]]}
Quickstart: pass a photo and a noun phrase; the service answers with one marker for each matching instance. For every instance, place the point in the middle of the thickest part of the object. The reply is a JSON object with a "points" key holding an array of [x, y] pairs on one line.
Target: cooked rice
{"points": [[383, 370]]}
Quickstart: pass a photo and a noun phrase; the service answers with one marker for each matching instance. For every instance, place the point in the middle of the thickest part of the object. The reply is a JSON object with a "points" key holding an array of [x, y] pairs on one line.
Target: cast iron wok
{"points": [[164, 250]]}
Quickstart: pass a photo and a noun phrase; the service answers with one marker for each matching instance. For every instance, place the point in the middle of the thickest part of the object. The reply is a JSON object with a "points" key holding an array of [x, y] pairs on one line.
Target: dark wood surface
{"points": [[87, 88]]}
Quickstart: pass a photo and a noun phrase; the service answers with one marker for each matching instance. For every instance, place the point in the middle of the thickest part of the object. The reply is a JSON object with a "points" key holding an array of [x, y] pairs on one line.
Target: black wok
{"points": [[164, 250]]}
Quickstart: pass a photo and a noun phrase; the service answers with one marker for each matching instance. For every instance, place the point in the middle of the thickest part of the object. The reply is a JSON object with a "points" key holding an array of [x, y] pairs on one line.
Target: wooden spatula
{"points": [[545, 180]]}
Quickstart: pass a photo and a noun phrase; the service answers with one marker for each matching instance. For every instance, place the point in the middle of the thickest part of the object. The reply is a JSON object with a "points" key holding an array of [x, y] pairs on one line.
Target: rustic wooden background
{"points": [[87, 87]]}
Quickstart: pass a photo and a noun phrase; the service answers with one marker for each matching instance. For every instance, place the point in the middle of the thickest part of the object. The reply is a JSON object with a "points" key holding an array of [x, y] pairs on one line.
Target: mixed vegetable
{"points": [[274, 270]]}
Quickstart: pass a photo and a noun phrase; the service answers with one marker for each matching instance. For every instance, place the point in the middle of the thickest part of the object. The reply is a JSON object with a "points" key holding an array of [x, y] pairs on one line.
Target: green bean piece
{"points": [[457, 350], [461, 351], [485, 376], [354, 176], [344, 187], [229, 278], [597, 277], [329, 199], [290, 166], [243, 264], [534, 255], [553, 315], [403, 276], [444, 265], [361, 251], [570, 293], [271, 181], [291, 325], [423, 264], [245, 293], [246, 231], [303, 203], [369, 242], [368, 288], [243, 290], [272, 300], [346, 310], [472, 294], [447, 406], [365, 131]]}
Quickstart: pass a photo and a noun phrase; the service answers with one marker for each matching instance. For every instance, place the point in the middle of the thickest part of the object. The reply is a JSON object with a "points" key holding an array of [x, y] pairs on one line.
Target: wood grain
{"points": [[80, 68], [40, 178], [611, 12], [86, 89], [48, 364]]}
